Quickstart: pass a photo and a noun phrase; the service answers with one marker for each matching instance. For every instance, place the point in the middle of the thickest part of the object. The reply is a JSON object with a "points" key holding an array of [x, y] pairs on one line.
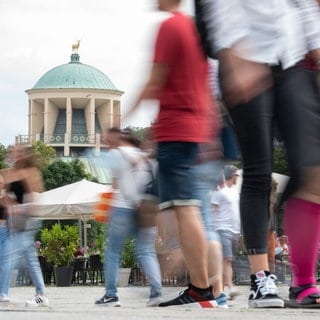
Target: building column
{"points": [[68, 116], [111, 124], [92, 117], [46, 119]]}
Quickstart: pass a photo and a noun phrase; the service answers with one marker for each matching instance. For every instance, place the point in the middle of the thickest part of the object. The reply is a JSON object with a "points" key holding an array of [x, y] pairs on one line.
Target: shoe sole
{"points": [[209, 304], [266, 303], [296, 305], [109, 304], [39, 305]]}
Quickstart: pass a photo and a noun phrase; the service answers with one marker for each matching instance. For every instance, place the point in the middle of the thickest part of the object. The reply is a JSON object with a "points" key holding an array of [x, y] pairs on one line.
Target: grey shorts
{"points": [[229, 243]]}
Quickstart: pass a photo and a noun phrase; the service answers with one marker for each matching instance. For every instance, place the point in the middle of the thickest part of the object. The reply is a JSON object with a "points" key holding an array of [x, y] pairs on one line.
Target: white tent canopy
{"points": [[281, 180], [72, 201]]}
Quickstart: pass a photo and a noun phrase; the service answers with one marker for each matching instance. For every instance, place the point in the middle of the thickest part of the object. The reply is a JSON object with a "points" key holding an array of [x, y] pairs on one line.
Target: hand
{"points": [[242, 80]]}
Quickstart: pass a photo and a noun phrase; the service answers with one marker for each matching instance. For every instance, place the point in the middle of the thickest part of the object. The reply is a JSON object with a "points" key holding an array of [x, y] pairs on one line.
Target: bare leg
{"points": [[215, 267], [193, 243], [258, 262]]}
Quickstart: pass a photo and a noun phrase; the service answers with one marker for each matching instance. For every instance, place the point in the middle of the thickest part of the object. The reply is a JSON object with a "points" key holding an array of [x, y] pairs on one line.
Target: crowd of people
{"points": [[264, 85]]}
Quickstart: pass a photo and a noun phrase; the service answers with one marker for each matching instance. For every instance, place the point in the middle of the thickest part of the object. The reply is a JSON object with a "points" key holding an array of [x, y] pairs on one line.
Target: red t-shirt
{"points": [[184, 99]]}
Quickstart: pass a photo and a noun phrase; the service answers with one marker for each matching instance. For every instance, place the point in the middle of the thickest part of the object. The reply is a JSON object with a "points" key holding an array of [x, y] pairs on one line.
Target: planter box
{"points": [[13, 278], [63, 276], [124, 275]]}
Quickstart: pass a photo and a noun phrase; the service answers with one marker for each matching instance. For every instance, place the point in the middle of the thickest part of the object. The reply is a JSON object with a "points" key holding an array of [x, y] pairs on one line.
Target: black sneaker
{"points": [[264, 292], [193, 299], [106, 301]]}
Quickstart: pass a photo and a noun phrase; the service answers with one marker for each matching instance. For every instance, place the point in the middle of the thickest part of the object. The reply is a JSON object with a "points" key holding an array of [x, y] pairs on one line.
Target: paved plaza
{"points": [[77, 302]]}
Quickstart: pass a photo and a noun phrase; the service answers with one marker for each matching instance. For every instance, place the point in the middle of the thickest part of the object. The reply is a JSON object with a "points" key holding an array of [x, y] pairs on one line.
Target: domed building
{"points": [[69, 107]]}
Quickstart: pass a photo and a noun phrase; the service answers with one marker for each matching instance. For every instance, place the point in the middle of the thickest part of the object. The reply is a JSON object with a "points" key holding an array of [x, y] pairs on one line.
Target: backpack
{"points": [[201, 16], [147, 207]]}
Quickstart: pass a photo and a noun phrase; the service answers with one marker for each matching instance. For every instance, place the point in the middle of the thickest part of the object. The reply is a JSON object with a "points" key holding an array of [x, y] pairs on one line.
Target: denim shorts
{"points": [[176, 161]]}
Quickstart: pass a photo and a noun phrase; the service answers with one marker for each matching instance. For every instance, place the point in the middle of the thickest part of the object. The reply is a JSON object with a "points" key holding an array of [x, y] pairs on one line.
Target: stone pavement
{"points": [[77, 302]]}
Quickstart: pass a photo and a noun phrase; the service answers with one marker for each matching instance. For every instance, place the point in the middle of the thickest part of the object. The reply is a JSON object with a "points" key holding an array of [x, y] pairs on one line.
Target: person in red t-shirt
{"points": [[179, 80]]}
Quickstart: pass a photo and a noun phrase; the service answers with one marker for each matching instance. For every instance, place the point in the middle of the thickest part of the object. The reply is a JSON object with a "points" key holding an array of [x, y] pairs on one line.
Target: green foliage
{"points": [[140, 132], [96, 237], [59, 244], [280, 162], [3, 154], [128, 257], [60, 173], [45, 154]]}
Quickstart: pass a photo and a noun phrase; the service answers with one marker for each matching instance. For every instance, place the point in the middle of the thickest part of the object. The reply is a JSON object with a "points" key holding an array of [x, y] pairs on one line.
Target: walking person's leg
{"points": [[207, 175], [147, 256], [176, 160], [120, 227], [254, 126], [34, 269], [299, 122], [5, 263]]}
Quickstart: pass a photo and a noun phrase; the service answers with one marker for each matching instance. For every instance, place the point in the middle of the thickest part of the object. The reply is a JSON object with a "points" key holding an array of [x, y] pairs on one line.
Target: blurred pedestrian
{"points": [[22, 181], [179, 80], [131, 174], [263, 85], [226, 212], [5, 261]]}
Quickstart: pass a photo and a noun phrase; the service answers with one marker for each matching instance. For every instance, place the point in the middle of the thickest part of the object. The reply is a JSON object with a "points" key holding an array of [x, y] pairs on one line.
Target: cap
{"points": [[230, 171]]}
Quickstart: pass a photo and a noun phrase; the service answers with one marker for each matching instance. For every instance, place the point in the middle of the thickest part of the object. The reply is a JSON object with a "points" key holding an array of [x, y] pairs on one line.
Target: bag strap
{"points": [[132, 165]]}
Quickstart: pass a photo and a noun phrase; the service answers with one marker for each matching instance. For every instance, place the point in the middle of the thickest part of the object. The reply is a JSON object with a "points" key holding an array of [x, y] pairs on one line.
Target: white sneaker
{"points": [[4, 298], [154, 302], [38, 301]]}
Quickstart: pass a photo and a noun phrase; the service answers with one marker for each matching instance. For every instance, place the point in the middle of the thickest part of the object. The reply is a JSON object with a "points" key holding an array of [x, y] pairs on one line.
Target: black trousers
{"points": [[293, 105]]}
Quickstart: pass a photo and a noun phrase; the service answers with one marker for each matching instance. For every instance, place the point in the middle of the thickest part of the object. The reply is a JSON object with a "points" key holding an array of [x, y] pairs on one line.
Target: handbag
{"points": [[148, 208], [102, 207]]}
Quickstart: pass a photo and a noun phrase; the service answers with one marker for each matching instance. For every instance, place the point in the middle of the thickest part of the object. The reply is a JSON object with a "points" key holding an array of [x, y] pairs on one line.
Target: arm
{"points": [[311, 17], [152, 88]]}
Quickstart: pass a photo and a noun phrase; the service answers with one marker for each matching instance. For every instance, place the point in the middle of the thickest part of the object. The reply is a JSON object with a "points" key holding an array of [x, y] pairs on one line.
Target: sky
{"points": [[37, 35]]}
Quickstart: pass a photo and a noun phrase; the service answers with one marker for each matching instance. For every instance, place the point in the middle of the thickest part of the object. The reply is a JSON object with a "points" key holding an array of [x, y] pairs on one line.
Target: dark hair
{"points": [[28, 160], [129, 137], [114, 130]]}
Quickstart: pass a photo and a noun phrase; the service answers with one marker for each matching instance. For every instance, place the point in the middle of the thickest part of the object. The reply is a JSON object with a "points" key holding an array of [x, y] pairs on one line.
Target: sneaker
{"points": [[38, 301], [192, 299], [232, 293], [4, 298], [154, 302], [263, 291], [106, 301], [222, 301]]}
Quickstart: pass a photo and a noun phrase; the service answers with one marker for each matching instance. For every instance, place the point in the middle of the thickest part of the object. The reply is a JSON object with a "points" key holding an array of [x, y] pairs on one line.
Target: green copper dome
{"points": [[74, 75]]}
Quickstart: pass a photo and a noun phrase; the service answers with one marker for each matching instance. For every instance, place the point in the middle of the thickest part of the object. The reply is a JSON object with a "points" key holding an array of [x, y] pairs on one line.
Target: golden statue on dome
{"points": [[75, 47]]}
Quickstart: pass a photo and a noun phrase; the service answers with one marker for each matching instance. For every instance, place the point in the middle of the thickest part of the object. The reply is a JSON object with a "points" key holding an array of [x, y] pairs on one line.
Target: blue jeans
{"points": [[123, 225], [206, 176], [5, 260], [23, 248]]}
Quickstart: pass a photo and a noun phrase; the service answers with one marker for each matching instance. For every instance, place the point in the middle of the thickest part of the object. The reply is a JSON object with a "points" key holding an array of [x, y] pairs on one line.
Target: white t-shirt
{"points": [[226, 211], [131, 173]]}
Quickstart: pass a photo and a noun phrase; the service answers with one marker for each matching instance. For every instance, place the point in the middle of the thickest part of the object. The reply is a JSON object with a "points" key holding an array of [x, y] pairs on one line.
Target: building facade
{"points": [[70, 106]]}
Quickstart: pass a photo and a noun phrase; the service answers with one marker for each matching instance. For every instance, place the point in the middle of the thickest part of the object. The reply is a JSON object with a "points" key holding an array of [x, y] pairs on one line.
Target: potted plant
{"points": [[59, 245], [128, 261]]}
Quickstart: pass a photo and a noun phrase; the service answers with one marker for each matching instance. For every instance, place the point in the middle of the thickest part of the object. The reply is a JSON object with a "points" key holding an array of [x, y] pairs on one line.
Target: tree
{"points": [[3, 154], [140, 132], [280, 162], [60, 173], [46, 154]]}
